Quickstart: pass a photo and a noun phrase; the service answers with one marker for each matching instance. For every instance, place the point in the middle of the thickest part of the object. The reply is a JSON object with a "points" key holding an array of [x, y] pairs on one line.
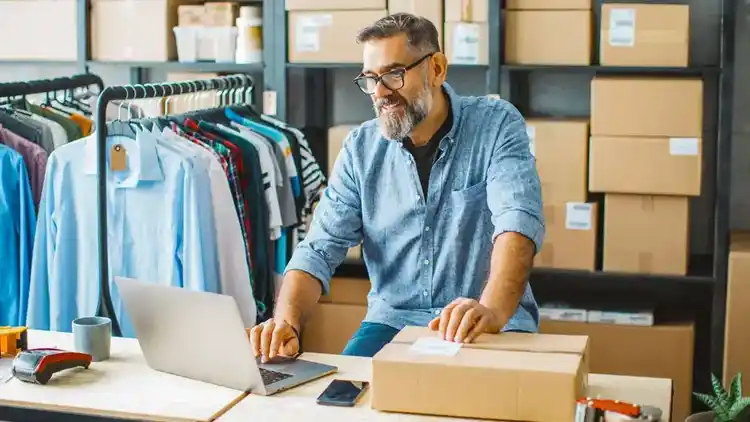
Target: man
{"points": [[444, 194]]}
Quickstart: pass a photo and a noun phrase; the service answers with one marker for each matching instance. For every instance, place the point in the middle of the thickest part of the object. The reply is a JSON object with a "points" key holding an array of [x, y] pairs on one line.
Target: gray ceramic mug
{"points": [[93, 335]]}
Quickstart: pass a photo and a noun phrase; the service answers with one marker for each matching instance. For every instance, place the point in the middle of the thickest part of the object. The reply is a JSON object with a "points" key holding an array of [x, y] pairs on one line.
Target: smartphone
{"points": [[342, 393]]}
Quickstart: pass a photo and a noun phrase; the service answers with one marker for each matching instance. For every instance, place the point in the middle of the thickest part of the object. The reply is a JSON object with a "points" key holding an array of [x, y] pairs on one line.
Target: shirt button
{"points": [[437, 312], [427, 228], [426, 262], [417, 198], [425, 293]]}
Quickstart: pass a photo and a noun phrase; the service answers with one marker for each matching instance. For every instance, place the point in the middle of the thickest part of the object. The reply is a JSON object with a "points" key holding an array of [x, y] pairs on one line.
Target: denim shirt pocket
{"points": [[470, 194]]}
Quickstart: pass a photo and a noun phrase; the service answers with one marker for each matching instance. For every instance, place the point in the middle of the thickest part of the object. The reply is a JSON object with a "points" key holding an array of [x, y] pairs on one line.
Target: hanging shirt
{"points": [[158, 230], [34, 157], [17, 225]]}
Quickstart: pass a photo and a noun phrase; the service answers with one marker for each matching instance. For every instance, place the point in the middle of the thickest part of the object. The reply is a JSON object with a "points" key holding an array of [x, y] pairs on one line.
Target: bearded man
{"points": [[443, 193]]}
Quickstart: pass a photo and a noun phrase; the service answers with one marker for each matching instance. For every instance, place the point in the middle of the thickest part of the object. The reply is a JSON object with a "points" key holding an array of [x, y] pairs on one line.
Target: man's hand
{"points": [[274, 338], [463, 320]]}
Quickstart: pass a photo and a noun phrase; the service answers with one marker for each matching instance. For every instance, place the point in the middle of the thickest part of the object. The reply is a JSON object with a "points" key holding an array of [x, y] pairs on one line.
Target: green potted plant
{"points": [[726, 406]]}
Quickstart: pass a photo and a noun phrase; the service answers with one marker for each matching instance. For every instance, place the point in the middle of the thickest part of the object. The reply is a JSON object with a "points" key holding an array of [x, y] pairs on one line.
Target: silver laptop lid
{"points": [[197, 335]]}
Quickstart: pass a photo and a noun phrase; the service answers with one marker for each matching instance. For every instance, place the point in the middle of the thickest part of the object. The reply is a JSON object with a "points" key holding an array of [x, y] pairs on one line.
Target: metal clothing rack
{"points": [[127, 93], [15, 89]]}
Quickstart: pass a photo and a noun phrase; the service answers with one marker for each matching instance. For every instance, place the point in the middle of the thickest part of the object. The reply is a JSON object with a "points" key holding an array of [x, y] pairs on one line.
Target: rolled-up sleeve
{"points": [[514, 193], [336, 225]]}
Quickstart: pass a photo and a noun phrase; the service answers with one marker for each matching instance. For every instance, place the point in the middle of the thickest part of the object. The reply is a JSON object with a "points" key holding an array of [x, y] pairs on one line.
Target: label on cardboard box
{"points": [[683, 146], [308, 31], [622, 27], [466, 44], [531, 133], [435, 346], [578, 216]]}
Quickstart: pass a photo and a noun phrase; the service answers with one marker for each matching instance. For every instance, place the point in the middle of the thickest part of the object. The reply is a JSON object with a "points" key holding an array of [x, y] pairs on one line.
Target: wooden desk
{"points": [[293, 404], [121, 387]]}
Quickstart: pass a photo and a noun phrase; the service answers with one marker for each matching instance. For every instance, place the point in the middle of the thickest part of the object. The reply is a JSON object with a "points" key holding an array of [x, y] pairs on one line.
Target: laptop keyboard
{"points": [[270, 377]]}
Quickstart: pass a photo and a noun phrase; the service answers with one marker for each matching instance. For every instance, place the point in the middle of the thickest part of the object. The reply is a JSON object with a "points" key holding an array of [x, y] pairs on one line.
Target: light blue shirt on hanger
{"points": [[160, 230], [17, 225]]}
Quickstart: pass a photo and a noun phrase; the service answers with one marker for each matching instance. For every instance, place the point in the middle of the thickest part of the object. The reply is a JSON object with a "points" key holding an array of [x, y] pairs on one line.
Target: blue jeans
{"points": [[369, 339]]}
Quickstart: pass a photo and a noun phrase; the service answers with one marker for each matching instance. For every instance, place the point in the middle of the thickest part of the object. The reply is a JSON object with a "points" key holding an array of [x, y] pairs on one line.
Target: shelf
{"points": [[37, 63], [625, 70], [189, 67], [358, 66]]}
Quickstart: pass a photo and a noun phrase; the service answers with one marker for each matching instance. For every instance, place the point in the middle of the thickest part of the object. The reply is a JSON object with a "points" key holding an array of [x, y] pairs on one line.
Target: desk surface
{"points": [[289, 405], [121, 387]]}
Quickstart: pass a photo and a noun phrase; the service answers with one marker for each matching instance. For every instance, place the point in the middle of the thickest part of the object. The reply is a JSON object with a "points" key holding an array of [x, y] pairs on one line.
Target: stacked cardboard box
{"points": [[430, 9], [550, 32], [561, 150], [38, 30], [324, 31], [467, 31], [645, 154], [736, 358]]}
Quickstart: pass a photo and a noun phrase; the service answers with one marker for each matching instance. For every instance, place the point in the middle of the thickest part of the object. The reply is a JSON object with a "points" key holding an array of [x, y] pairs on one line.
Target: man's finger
{"points": [[265, 339], [290, 348], [445, 316], [478, 329], [278, 337], [467, 322], [434, 324], [255, 334], [455, 319]]}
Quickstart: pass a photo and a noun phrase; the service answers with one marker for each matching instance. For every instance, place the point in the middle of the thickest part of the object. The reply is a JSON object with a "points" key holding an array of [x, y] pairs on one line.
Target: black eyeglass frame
{"points": [[398, 71]]}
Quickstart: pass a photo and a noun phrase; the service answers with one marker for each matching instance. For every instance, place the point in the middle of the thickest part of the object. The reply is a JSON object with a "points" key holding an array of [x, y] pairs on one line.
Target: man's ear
{"points": [[439, 65]]}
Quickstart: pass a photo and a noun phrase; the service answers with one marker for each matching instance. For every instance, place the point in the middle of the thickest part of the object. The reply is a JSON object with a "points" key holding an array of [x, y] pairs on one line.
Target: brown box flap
{"points": [[548, 4]]}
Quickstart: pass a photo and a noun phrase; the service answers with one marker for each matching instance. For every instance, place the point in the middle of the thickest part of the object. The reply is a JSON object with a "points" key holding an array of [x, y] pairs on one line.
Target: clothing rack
{"points": [[127, 93], [14, 89]]}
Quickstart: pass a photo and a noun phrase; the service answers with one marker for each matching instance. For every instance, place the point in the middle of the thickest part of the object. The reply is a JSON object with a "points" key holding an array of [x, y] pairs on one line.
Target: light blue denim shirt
{"points": [[421, 255]]}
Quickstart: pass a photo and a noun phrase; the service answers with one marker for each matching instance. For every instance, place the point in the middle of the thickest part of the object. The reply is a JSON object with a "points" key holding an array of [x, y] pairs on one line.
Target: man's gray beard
{"points": [[393, 126]]}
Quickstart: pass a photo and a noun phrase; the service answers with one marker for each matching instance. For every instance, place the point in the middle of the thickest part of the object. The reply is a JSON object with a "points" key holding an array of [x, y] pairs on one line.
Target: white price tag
{"points": [[684, 146], [307, 37], [269, 103], [465, 44], [435, 346], [622, 28], [578, 216], [531, 132]]}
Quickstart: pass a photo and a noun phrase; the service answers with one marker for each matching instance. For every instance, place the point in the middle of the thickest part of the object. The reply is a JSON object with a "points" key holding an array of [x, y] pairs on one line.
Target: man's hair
{"points": [[421, 34]]}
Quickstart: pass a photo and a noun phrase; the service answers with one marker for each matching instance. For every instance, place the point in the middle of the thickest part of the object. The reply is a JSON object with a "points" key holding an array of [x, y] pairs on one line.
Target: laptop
{"points": [[201, 336]]}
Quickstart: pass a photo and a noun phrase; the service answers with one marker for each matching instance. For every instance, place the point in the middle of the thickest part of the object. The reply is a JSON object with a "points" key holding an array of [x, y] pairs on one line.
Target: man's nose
{"points": [[381, 91]]}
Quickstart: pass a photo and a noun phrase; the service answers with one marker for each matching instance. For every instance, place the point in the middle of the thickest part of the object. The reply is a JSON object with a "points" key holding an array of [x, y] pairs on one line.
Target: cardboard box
{"points": [[540, 377], [191, 15], [113, 37], [570, 239], [647, 106], [645, 165], [467, 10], [736, 340], [328, 36], [336, 137], [646, 234], [645, 35], [330, 326], [430, 9], [661, 351], [548, 4], [467, 43], [221, 14], [347, 291], [550, 37], [38, 30], [561, 150], [335, 4]]}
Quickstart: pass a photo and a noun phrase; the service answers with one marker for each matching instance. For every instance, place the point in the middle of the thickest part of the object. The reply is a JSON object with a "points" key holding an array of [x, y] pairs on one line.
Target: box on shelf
{"points": [[570, 239], [646, 234], [328, 36], [467, 43], [467, 10], [561, 150], [191, 15], [736, 341], [548, 37], [114, 39], [548, 4], [645, 35], [335, 4], [221, 13], [647, 106], [336, 137], [631, 350], [418, 372], [645, 165], [38, 30], [430, 9]]}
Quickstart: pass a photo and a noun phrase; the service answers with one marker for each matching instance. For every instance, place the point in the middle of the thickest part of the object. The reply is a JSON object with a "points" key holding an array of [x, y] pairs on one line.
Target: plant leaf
{"points": [[721, 394], [738, 407], [736, 388], [708, 400]]}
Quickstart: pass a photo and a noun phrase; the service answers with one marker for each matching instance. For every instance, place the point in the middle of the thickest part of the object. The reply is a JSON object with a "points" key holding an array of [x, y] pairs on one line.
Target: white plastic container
{"points": [[201, 43], [249, 35], [186, 38], [224, 43]]}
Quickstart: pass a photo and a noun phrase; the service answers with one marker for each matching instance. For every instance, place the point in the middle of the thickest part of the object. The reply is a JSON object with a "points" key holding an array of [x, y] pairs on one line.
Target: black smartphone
{"points": [[342, 393]]}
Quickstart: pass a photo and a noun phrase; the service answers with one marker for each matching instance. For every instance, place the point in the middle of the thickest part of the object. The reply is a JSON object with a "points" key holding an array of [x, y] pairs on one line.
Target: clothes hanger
{"points": [[119, 127]]}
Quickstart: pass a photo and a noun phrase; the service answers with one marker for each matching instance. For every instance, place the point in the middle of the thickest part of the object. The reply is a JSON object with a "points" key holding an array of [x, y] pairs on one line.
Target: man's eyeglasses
{"points": [[393, 79]]}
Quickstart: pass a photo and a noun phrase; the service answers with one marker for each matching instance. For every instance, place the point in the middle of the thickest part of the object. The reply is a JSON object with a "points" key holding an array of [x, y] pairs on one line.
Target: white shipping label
{"points": [[435, 346], [269, 103], [578, 216], [622, 27], [307, 36], [531, 132], [684, 146], [465, 44]]}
